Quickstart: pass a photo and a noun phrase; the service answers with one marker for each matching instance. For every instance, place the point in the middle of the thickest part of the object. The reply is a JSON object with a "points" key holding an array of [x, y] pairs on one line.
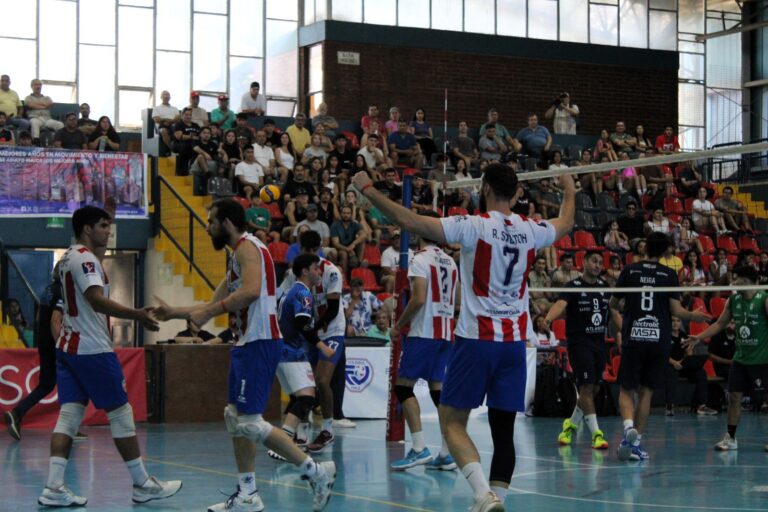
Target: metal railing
{"points": [[6, 263], [739, 168]]}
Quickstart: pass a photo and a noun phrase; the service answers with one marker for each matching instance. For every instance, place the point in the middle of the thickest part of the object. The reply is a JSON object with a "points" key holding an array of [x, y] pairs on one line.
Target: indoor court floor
{"points": [[684, 472]]}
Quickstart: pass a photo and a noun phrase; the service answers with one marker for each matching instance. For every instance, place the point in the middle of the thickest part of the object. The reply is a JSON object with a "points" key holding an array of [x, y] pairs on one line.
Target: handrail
{"points": [[24, 280]]}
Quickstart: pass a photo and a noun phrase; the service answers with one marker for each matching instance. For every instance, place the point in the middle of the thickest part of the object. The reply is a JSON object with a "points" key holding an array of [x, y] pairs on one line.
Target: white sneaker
{"points": [[61, 497], [488, 503], [727, 443], [322, 485], [154, 489], [344, 423], [240, 503]]}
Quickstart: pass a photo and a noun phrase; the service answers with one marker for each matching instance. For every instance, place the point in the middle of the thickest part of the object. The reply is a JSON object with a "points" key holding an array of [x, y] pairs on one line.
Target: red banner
{"points": [[19, 372]]}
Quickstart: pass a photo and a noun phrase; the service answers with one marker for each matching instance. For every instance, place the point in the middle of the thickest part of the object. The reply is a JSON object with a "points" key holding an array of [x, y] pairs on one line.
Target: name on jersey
{"points": [[647, 280], [510, 238]]}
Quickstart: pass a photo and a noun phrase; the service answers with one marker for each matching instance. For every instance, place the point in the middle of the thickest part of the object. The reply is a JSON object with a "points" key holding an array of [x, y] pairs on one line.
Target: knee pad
{"points": [[290, 405], [435, 394], [70, 417], [502, 425], [121, 422], [301, 406], [230, 419], [254, 427], [403, 393]]}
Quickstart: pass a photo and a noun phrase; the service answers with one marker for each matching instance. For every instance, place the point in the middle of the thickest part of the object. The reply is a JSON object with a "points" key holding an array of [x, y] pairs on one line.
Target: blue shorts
{"points": [[477, 369], [252, 369], [336, 343], [95, 377], [424, 358]]}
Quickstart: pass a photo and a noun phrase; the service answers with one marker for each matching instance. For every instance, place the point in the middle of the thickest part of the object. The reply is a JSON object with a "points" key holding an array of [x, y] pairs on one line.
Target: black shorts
{"points": [[587, 361], [744, 378], [642, 365]]}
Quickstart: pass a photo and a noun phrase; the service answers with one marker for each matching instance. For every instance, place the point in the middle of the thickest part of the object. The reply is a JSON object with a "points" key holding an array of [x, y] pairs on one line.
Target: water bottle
{"points": [[102, 144]]}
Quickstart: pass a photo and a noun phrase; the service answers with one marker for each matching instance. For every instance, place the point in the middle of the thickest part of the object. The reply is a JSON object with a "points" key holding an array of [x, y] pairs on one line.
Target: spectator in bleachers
{"points": [[361, 209], [294, 249], [605, 147], [389, 186], [348, 238], [296, 210], [694, 374], [324, 181], [338, 176], [359, 165], [359, 306], [374, 128], [658, 178], [325, 142], [390, 262], [463, 195], [640, 252], [535, 139], [166, 117], [185, 133], [421, 195], [394, 118], [693, 273], [373, 113], [734, 213], [327, 209], [380, 329], [686, 238], [229, 153], [565, 272], [216, 134], [671, 260], [689, 180], [199, 114], [375, 159], [104, 137], [589, 182], [557, 161], [621, 140], [300, 136], [658, 223], [6, 135], [642, 142], [746, 258], [328, 122], [11, 106], [614, 239], [69, 137], [222, 116], [544, 337], [315, 150], [15, 317], [632, 180], [631, 223], [705, 215], [492, 147], [611, 180], [206, 151], [545, 198], [538, 278], [404, 147], [25, 139], [611, 274], [501, 131], [264, 156], [249, 174], [296, 183], [422, 130], [316, 225], [244, 130], [194, 334], [39, 111], [667, 142], [342, 151], [252, 103], [285, 157], [273, 134], [464, 147], [564, 113], [85, 124]]}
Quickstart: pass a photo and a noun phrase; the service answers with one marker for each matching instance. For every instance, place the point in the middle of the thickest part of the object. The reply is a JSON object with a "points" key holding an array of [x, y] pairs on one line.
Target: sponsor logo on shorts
{"points": [[359, 374]]}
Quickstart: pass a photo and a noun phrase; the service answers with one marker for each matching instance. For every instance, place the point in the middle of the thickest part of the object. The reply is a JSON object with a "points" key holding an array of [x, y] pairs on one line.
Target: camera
{"points": [[556, 102]]}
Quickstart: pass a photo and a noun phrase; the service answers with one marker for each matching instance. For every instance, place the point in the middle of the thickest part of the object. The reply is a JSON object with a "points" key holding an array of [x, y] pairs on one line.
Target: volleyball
{"points": [[269, 193]]}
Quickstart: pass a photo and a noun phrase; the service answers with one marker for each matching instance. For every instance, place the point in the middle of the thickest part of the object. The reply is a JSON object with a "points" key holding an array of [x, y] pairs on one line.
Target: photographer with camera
{"points": [[565, 114]]}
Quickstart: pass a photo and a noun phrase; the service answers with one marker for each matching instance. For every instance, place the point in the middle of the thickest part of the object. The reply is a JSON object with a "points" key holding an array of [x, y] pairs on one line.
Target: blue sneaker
{"points": [[624, 451], [442, 463], [413, 458], [638, 453]]}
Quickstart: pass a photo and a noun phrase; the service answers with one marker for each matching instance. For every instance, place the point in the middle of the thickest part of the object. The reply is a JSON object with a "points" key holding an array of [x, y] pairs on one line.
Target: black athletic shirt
{"points": [[586, 315], [647, 318]]}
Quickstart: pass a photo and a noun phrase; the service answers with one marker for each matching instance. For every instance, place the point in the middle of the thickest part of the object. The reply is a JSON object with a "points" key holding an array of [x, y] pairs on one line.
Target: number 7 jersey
{"points": [[496, 256], [434, 320]]}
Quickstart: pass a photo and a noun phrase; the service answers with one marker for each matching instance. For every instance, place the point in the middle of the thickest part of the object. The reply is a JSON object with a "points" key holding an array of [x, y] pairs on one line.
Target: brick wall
{"points": [[412, 77]]}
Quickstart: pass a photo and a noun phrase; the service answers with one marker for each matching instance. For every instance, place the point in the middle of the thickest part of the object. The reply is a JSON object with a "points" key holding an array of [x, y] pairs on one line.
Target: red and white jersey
{"points": [[496, 256], [259, 320], [83, 330], [330, 282], [434, 320]]}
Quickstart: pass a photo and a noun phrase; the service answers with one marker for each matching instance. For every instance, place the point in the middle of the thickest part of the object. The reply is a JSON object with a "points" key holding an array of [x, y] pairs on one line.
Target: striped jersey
{"points": [[496, 255], [259, 320], [83, 330], [434, 320]]}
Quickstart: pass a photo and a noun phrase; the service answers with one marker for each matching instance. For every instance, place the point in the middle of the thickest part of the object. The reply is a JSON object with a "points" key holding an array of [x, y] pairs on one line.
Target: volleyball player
{"points": [[488, 358], [585, 325], [87, 367], [749, 370], [248, 292], [433, 279], [646, 339]]}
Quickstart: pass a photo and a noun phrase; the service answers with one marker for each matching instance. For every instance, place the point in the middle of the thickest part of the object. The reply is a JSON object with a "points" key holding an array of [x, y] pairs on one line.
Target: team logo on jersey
{"points": [[744, 332], [89, 267], [597, 319], [334, 277], [359, 374], [307, 302]]}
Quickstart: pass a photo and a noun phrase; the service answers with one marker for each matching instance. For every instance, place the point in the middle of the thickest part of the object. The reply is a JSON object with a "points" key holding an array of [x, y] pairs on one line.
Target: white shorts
{"points": [[295, 376]]}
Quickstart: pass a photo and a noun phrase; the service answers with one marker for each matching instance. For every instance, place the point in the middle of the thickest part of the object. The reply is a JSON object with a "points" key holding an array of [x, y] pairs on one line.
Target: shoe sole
{"points": [[330, 492], [319, 450], [13, 430], [447, 467], [56, 505], [721, 449], [624, 453], [159, 497], [601, 447], [413, 464]]}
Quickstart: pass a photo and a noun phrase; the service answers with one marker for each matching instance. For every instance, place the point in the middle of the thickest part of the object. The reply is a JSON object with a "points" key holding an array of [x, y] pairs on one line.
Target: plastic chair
{"points": [[585, 240], [354, 142], [274, 211], [372, 255], [279, 251], [707, 245], [673, 205], [368, 278], [578, 260], [716, 306], [558, 329], [688, 205], [728, 244], [747, 243], [457, 210], [565, 243], [706, 261], [696, 328]]}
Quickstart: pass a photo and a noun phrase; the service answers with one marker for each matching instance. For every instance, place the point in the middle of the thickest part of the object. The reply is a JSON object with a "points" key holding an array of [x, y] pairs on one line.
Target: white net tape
{"points": [[657, 289]]}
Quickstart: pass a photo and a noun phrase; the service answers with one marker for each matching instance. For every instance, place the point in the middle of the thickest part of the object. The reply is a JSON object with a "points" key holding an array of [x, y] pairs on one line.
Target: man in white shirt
{"points": [[253, 103], [390, 262], [165, 116], [199, 114], [564, 113], [263, 154], [249, 174], [374, 157]]}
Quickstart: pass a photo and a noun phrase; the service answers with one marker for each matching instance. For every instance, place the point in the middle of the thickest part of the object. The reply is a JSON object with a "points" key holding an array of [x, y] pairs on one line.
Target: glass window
{"points": [[321, 10], [96, 81], [173, 25], [60, 93], [380, 12], [24, 21], [348, 10], [723, 116], [413, 13], [315, 100], [691, 16], [603, 23], [664, 4], [511, 15], [542, 19], [309, 12], [634, 23], [20, 64], [689, 47], [282, 59], [172, 75], [209, 101], [215, 6], [134, 54], [285, 9], [479, 16], [209, 53], [246, 38], [574, 21], [690, 104], [691, 66], [691, 138], [101, 14], [138, 3], [131, 105], [58, 40], [447, 14], [281, 108], [316, 68], [242, 72], [663, 30], [724, 61]]}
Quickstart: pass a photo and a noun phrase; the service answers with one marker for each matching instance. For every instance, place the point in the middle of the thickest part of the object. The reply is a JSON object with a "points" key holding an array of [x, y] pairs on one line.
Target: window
{"points": [[209, 53], [173, 25], [413, 13], [574, 21], [542, 19], [380, 12], [172, 75], [212, 6], [58, 40], [479, 16], [691, 16], [663, 30], [691, 66], [134, 54], [690, 104], [96, 81], [510, 17], [243, 71], [101, 14], [282, 58], [284, 9], [24, 21], [447, 14], [603, 25], [316, 68], [19, 64], [131, 104], [348, 10], [245, 37], [634, 23]]}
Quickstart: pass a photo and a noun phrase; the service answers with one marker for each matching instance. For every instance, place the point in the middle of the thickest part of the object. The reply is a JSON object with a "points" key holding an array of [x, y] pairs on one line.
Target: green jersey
{"points": [[259, 216], [751, 328]]}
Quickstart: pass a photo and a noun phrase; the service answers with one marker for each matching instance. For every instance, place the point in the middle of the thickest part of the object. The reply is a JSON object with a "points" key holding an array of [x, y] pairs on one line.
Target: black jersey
{"points": [[647, 317], [586, 315]]}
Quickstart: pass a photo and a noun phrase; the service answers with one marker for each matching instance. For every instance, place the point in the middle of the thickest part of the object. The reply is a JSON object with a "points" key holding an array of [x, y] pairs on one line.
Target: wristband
{"points": [[365, 187], [223, 306]]}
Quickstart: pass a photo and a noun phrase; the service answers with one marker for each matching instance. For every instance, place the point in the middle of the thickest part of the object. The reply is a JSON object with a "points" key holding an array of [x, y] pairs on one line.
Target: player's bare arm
{"points": [[564, 222], [101, 304]]}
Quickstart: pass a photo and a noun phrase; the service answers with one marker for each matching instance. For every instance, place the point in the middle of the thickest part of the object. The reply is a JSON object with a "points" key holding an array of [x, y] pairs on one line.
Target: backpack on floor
{"points": [[555, 389]]}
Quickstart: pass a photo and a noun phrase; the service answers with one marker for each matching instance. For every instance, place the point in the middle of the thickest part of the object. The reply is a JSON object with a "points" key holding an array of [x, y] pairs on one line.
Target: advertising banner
{"points": [[50, 182]]}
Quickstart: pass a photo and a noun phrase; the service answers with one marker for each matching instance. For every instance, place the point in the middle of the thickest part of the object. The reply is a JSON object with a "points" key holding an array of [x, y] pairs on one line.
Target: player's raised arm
{"points": [[564, 222]]}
